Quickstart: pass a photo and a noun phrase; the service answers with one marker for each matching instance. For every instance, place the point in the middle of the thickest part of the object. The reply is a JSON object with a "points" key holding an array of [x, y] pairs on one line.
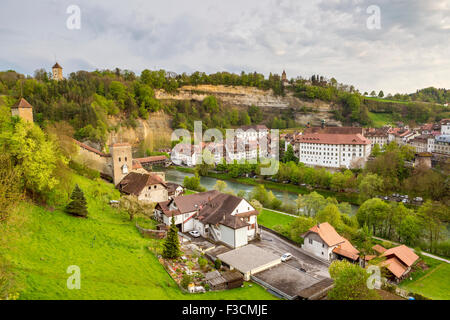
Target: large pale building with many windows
{"points": [[334, 150]]}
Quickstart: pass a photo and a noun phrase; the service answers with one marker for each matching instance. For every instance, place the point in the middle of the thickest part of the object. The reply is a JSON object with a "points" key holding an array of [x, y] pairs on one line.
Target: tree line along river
{"points": [[176, 176]]}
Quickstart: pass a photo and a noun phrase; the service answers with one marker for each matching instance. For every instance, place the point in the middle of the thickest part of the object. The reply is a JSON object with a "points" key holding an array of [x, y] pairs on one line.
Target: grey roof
{"points": [[443, 138], [248, 258], [219, 210]]}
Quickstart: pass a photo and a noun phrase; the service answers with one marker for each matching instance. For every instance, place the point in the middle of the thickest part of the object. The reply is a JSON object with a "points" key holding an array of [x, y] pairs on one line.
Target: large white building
{"points": [[334, 150]]}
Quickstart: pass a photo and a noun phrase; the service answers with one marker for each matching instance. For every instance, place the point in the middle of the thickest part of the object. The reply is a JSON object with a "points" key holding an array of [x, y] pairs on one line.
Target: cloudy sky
{"points": [[410, 50]]}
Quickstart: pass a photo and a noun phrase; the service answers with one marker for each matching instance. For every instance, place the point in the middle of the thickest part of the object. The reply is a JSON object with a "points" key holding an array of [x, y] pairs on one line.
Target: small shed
{"points": [[215, 280], [234, 279]]}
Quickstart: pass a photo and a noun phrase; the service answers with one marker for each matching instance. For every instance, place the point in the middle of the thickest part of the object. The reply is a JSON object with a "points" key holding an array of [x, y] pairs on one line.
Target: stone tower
{"points": [[57, 72], [284, 77], [122, 161], [23, 110]]}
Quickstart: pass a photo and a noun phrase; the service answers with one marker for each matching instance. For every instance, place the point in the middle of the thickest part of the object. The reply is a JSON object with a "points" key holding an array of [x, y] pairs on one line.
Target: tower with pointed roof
{"points": [[57, 72], [122, 160], [23, 110]]}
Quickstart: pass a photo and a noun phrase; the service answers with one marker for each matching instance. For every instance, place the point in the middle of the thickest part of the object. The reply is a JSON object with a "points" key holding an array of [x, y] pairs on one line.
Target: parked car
{"points": [[405, 201], [194, 233], [285, 257], [386, 198], [302, 269], [418, 199]]}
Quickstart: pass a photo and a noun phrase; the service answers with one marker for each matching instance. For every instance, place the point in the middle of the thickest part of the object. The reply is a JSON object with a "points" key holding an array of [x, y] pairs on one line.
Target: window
{"points": [[120, 159], [125, 158], [323, 245], [310, 241], [154, 187]]}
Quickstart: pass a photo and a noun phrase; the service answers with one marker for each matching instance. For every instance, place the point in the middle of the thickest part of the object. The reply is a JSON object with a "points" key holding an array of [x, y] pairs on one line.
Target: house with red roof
{"points": [[324, 242], [398, 261]]}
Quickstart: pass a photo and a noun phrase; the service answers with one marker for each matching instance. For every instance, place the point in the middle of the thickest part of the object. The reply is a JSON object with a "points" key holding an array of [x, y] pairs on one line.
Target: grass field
{"points": [[386, 100], [380, 119], [269, 218], [433, 283], [114, 260]]}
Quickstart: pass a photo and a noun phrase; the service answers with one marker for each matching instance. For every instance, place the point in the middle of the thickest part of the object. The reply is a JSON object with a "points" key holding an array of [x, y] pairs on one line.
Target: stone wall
{"points": [[95, 161]]}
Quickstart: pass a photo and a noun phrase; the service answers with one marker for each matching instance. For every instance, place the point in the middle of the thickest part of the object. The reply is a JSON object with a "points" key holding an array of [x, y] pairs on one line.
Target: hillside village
{"points": [[224, 227]]}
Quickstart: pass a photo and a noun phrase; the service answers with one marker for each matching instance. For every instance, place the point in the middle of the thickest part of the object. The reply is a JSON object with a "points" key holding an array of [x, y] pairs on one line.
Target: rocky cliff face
{"points": [[243, 97], [156, 130], [152, 132]]}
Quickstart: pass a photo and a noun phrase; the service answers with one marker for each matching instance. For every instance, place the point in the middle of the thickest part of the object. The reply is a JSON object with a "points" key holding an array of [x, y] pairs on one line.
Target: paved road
{"points": [[277, 245], [423, 252]]}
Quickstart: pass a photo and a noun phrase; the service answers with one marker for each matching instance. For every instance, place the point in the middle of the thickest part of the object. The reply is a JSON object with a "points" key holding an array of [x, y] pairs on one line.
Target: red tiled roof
{"points": [[325, 138], [378, 248], [23, 104], [403, 253], [85, 146], [394, 266], [136, 164], [346, 249], [327, 233], [151, 159]]}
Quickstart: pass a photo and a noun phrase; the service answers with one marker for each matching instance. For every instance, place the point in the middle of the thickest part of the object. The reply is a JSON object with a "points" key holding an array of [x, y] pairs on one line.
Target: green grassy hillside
{"points": [[114, 260]]}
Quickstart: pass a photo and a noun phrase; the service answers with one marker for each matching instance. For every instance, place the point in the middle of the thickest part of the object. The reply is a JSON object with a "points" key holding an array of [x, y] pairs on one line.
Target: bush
{"points": [[202, 262], [84, 171], [217, 264], [186, 280]]}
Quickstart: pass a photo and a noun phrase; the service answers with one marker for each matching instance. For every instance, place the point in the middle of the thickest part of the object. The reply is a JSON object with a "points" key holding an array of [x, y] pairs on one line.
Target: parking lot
{"points": [[402, 198], [300, 260]]}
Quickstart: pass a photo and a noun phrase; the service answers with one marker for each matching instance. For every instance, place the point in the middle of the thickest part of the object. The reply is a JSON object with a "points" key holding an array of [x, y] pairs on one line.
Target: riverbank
{"points": [[352, 198]]}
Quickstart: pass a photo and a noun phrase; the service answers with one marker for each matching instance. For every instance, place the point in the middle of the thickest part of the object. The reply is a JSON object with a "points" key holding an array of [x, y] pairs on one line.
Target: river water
{"points": [[208, 182]]}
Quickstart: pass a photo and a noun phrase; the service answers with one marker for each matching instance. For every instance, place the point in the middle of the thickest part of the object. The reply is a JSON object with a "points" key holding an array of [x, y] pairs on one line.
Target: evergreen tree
{"points": [[172, 245], [77, 205]]}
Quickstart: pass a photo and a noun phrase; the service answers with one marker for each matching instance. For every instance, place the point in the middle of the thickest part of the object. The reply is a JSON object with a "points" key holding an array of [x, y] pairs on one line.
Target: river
{"points": [[208, 182]]}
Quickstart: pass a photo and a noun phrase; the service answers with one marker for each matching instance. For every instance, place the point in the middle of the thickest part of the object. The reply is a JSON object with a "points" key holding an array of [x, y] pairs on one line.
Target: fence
{"points": [[150, 233]]}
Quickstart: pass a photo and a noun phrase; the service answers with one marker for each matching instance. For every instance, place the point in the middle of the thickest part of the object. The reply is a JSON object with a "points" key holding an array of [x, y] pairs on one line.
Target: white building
{"points": [[217, 216], [377, 136], [334, 150], [185, 154], [442, 145], [423, 143], [445, 127], [252, 133], [324, 242]]}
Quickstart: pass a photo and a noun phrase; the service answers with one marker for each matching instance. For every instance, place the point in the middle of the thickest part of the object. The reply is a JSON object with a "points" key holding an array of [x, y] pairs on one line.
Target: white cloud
{"points": [[328, 37]]}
